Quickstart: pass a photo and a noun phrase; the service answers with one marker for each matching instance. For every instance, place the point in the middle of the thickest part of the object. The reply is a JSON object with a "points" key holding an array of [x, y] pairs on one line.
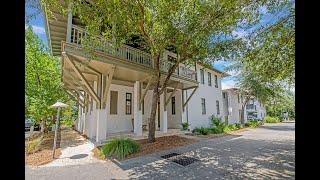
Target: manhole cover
{"points": [[184, 160], [167, 156], [78, 156]]}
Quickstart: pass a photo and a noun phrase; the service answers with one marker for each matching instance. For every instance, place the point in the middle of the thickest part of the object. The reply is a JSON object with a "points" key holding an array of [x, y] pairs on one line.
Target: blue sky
{"points": [[38, 25]]}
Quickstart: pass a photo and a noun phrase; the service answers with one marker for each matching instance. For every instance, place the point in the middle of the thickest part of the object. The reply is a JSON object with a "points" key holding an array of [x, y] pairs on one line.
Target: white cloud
{"points": [[228, 83], [36, 29], [239, 33]]}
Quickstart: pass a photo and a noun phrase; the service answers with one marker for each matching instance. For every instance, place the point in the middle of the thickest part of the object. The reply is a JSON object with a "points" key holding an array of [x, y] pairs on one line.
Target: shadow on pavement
{"points": [[231, 157]]}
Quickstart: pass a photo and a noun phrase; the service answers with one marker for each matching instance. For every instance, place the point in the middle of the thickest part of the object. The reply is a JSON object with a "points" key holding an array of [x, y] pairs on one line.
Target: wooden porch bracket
{"points": [[81, 103], [146, 90], [107, 82], [168, 100], [83, 79], [194, 90]]}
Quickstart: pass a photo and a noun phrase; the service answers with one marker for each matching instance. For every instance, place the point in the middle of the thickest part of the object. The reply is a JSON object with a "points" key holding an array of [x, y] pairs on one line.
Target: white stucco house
{"points": [[114, 89], [232, 107], [232, 103], [255, 109]]}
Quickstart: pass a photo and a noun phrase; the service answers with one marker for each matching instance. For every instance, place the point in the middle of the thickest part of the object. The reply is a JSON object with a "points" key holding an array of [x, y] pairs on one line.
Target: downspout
{"points": [[187, 108]]}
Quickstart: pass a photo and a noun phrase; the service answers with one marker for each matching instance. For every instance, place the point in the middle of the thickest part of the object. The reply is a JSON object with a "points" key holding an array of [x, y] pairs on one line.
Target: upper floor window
{"points": [[201, 76], [224, 95], [203, 105], [171, 59], [173, 105], [209, 79], [218, 108], [216, 81]]}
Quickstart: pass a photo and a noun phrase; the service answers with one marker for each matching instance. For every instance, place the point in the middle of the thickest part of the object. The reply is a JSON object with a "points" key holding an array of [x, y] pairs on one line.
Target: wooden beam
{"points": [[146, 90], [175, 88], [194, 90], [83, 79], [72, 94], [107, 81], [87, 66]]}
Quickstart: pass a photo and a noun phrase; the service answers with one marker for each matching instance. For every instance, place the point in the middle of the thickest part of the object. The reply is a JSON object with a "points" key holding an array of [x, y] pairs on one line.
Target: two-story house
{"points": [[255, 109], [232, 107], [114, 87]]}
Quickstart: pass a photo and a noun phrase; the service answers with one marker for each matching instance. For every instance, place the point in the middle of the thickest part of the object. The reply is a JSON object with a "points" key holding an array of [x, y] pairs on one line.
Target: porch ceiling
{"points": [[56, 29], [122, 75]]}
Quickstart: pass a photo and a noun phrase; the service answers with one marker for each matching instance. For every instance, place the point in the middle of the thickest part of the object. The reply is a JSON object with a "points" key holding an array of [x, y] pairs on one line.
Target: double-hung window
{"points": [[173, 105], [209, 79], [203, 105], [128, 103], [218, 108], [201, 76], [216, 81]]}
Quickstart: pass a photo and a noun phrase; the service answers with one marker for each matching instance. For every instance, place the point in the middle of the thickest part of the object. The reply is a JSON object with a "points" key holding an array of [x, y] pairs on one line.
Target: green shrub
{"points": [[269, 119], [232, 127], [219, 126], [201, 130], [239, 126], [120, 147], [32, 146], [253, 123], [185, 126]]}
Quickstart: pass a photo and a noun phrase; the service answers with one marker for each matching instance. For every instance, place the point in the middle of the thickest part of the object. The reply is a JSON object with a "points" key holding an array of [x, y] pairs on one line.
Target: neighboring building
{"points": [[207, 100], [232, 106], [114, 90], [255, 109]]}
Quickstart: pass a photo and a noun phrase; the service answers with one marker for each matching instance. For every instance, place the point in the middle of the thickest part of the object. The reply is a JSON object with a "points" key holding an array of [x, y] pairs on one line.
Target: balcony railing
{"points": [[128, 53]]}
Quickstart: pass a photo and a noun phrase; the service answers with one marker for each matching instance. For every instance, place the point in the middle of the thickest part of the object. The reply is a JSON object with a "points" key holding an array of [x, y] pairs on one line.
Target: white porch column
{"points": [[163, 112], [183, 110], [137, 110], [83, 119], [101, 131], [69, 24]]}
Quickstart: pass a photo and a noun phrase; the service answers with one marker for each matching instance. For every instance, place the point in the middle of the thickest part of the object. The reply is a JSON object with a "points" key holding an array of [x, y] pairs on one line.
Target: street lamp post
{"points": [[58, 105]]}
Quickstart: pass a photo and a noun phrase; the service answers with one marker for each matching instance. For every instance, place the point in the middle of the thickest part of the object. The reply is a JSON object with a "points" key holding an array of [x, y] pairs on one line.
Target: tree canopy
{"points": [[42, 78]]}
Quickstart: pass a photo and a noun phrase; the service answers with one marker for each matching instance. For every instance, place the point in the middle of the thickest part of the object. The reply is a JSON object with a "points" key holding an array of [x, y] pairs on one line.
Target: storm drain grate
{"points": [[184, 160], [167, 156]]}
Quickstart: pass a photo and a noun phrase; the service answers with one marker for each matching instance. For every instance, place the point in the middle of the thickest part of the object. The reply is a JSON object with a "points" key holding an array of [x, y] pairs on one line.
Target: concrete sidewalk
{"points": [[76, 162]]}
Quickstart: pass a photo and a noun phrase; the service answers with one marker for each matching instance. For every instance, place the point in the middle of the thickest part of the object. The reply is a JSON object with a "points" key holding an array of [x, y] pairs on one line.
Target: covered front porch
{"points": [[115, 95], [132, 135]]}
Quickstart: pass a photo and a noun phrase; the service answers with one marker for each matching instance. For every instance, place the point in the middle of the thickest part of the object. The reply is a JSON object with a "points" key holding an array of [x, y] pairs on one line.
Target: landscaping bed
{"points": [[39, 150], [161, 143]]}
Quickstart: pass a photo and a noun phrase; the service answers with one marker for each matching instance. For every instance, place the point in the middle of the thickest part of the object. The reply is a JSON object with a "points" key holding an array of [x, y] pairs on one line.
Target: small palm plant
{"points": [[120, 147]]}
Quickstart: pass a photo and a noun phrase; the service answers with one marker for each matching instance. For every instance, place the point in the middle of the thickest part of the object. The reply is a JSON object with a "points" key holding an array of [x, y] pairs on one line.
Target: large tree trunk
{"points": [[152, 119], [243, 109], [155, 98], [43, 125], [242, 114]]}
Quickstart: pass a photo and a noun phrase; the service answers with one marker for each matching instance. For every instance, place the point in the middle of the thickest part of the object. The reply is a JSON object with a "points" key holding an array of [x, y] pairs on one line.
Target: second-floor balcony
{"points": [[127, 53], [251, 107]]}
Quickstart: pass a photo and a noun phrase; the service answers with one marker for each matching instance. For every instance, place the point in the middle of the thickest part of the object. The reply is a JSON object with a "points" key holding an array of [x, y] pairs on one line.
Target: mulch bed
{"points": [[44, 154], [161, 144]]}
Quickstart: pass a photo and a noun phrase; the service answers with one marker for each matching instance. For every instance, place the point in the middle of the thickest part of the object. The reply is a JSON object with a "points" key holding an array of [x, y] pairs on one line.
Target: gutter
{"points": [[46, 27]]}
